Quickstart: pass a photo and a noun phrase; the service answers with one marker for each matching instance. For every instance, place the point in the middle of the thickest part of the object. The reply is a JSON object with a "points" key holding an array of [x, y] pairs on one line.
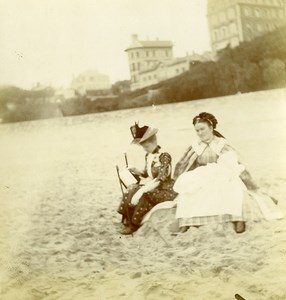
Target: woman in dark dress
{"points": [[140, 199]]}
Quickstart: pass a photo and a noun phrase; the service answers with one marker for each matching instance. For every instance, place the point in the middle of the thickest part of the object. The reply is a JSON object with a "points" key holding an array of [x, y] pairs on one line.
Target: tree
{"points": [[120, 87], [274, 73]]}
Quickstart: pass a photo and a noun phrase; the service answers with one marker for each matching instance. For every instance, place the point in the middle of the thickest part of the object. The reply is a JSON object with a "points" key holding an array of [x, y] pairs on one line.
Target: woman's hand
{"points": [[136, 197], [132, 187]]}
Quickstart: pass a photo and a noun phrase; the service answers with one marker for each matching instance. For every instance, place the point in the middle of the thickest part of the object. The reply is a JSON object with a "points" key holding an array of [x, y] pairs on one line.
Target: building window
{"points": [[232, 28], [149, 77], [257, 13], [246, 11], [222, 16], [138, 66], [137, 53], [147, 53], [177, 71], [259, 27], [133, 66], [248, 27], [230, 13], [224, 32], [154, 75], [154, 53], [214, 20], [215, 37], [167, 53]]}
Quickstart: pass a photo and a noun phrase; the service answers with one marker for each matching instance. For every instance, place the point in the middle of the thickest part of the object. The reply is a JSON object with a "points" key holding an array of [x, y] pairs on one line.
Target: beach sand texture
{"points": [[59, 194]]}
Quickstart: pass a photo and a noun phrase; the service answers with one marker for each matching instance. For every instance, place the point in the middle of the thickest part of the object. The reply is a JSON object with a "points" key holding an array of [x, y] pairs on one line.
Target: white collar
{"points": [[216, 145]]}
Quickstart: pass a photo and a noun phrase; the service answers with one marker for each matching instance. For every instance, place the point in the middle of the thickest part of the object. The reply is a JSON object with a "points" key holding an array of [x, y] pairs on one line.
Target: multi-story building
{"points": [[234, 21], [144, 55], [91, 81], [152, 61]]}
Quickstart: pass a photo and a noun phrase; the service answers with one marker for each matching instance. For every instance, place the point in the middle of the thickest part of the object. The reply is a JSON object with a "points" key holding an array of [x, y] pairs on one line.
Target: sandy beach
{"points": [[59, 194]]}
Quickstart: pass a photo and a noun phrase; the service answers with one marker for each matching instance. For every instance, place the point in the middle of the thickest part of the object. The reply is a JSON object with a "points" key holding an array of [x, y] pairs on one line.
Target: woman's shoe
{"points": [[239, 226], [184, 229], [129, 229]]}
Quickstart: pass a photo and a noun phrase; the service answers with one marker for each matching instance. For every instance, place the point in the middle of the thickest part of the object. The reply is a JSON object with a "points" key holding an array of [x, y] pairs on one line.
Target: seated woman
{"points": [[211, 183], [139, 198]]}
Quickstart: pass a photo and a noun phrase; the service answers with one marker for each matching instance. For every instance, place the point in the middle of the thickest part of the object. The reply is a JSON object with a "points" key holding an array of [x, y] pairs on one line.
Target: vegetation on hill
{"points": [[259, 64]]}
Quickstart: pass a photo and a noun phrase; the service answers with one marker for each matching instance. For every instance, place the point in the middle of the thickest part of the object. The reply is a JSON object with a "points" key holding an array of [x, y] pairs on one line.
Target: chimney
{"points": [[134, 38]]}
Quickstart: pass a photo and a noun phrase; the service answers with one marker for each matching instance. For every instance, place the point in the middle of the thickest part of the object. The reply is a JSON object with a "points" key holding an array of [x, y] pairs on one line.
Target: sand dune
{"points": [[59, 192]]}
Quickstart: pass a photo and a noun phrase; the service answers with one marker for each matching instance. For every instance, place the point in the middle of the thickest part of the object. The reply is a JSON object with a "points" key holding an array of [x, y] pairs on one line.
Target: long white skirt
{"points": [[208, 191]]}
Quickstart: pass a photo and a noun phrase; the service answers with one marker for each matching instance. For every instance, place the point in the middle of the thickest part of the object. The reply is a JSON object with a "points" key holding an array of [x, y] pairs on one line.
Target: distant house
{"points": [[64, 94], [234, 21], [91, 81], [152, 61]]}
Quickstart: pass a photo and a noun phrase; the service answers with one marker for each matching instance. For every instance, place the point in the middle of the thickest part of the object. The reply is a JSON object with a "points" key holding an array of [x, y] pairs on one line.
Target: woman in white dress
{"points": [[213, 186]]}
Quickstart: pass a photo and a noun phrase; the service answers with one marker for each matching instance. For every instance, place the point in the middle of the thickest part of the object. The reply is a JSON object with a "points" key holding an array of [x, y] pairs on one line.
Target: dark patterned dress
{"points": [[157, 166]]}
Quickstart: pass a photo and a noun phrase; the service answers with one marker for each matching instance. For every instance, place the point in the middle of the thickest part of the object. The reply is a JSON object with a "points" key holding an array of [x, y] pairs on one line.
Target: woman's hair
{"points": [[208, 118], [151, 139]]}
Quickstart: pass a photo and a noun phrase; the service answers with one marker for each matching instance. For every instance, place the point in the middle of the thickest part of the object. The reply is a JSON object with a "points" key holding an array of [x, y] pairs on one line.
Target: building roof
{"points": [[207, 56], [148, 44]]}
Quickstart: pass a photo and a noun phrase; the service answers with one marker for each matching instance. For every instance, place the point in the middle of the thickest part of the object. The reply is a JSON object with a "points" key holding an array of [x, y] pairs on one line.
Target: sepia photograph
{"points": [[143, 149]]}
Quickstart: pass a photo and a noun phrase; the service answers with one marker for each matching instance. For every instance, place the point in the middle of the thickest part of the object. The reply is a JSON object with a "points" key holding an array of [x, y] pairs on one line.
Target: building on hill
{"points": [[152, 61], [234, 21], [91, 81], [168, 69], [144, 55]]}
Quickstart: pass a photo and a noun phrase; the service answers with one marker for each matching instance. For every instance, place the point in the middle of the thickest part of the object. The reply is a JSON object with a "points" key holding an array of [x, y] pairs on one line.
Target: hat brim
{"points": [[149, 133]]}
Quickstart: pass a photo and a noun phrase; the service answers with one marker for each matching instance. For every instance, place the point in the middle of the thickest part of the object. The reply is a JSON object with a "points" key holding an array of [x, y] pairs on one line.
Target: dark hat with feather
{"points": [[141, 134]]}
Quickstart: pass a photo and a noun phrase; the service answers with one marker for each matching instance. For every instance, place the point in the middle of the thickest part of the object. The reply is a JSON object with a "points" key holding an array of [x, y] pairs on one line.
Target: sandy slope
{"points": [[59, 192]]}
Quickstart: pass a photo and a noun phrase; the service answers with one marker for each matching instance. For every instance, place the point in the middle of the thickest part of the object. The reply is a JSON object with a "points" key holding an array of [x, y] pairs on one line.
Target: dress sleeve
{"points": [[226, 148], [245, 176], [183, 163], [165, 168], [144, 171]]}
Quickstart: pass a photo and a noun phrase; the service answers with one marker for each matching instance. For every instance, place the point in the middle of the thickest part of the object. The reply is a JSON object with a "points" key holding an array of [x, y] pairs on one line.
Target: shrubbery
{"points": [[18, 105]]}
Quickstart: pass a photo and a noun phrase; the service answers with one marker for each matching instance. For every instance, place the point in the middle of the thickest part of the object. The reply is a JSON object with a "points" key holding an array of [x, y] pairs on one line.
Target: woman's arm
{"points": [[185, 163], [165, 168], [245, 176], [164, 172], [142, 173]]}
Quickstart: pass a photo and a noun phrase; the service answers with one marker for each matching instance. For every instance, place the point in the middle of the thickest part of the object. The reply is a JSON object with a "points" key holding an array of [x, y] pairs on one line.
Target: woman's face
{"points": [[149, 146], [204, 131]]}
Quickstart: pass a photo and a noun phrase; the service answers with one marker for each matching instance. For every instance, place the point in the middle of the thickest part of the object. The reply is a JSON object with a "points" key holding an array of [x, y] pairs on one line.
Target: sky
{"points": [[50, 41]]}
